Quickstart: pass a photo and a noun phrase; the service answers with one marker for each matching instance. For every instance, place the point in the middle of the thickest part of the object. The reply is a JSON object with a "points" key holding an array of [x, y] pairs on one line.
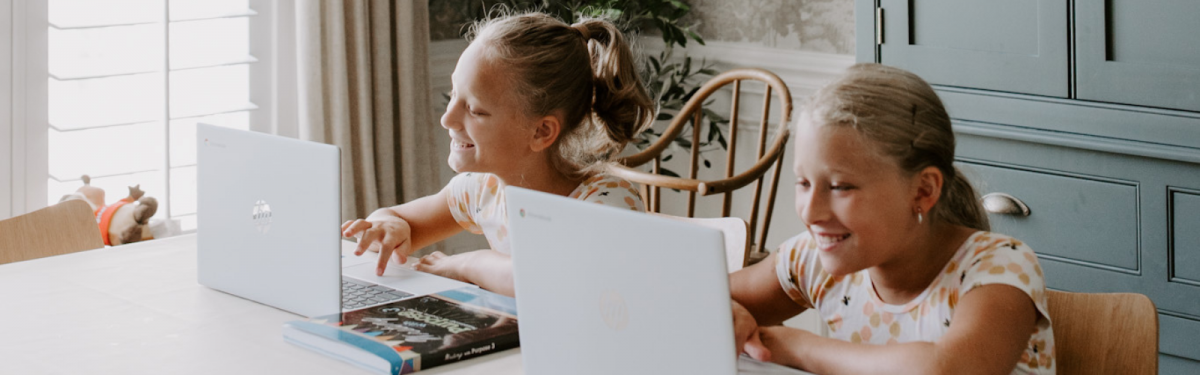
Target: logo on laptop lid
{"points": [[261, 216], [613, 310]]}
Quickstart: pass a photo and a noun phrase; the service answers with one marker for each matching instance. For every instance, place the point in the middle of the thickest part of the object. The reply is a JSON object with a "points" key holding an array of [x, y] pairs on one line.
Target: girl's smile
{"points": [[460, 146], [828, 242]]}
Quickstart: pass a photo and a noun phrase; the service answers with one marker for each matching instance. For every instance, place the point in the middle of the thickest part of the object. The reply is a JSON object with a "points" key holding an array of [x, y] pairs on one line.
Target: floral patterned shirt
{"points": [[853, 311], [477, 202]]}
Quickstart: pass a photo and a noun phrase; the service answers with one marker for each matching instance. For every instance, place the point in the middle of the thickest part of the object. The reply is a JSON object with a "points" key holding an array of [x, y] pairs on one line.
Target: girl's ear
{"points": [[546, 132], [928, 184]]}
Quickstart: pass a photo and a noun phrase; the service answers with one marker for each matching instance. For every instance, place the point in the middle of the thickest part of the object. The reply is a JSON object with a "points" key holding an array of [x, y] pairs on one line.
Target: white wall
{"points": [[6, 118]]}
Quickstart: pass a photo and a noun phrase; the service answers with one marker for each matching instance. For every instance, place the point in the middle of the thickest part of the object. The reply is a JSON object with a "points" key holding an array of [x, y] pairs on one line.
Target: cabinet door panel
{"points": [[1017, 46], [1141, 52], [1185, 239], [1062, 204]]}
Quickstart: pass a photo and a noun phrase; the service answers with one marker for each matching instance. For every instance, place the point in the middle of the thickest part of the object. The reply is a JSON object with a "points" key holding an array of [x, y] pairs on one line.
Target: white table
{"points": [[137, 309]]}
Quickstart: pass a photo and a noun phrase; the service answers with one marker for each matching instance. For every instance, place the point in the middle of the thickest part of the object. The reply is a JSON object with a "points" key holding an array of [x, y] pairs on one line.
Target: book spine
{"points": [[482, 347]]}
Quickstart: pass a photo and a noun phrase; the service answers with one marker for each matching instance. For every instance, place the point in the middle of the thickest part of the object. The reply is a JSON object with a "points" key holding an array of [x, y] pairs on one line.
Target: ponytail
{"points": [[620, 101], [585, 73], [959, 204]]}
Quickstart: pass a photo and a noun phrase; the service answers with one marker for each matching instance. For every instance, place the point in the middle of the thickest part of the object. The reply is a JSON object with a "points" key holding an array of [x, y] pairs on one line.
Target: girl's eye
{"points": [[842, 187], [803, 184]]}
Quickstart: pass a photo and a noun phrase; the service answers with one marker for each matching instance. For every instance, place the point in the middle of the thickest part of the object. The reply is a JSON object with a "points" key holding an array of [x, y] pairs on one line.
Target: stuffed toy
{"points": [[124, 221]]}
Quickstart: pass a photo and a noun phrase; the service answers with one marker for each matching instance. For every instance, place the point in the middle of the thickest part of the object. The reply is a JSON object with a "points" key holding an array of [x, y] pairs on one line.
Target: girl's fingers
{"points": [[368, 237], [384, 253], [346, 225], [355, 227], [756, 349], [402, 251]]}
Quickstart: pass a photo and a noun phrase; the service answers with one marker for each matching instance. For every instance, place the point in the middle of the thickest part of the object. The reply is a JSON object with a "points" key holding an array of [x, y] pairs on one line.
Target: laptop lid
{"points": [[268, 219], [602, 290]]}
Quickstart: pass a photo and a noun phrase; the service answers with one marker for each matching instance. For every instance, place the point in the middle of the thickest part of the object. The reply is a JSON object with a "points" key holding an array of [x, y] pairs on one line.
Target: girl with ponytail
{"points": [[896, 257], [537, 103]]}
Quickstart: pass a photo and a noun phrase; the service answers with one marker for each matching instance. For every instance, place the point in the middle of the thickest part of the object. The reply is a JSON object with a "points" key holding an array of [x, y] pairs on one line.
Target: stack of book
{"points": [[413, 334]]}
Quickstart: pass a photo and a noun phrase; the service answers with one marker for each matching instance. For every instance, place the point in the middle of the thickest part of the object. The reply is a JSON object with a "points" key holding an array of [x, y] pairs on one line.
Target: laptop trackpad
{"points": [[403, 278]]}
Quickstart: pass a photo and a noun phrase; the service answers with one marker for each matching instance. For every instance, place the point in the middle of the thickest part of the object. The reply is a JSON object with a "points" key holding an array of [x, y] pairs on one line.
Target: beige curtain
{"points": [[363, 85]]}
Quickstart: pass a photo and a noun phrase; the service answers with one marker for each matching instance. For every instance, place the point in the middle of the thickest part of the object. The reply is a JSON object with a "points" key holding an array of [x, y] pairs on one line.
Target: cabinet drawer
{"points": [[1061, 208]]}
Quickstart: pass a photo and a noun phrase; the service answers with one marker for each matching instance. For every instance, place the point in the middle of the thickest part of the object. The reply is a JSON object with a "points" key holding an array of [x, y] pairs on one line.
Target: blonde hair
{"points": [[904, 118], [584, 72]]}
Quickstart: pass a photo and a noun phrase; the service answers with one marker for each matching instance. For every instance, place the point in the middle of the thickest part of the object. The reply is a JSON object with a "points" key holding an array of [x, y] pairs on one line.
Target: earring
{"points": [[919, 218]]}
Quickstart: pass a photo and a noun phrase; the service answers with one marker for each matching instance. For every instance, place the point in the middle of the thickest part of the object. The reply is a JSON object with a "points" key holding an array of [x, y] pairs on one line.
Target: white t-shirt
{"points": [[853, 311], [477, 202]]}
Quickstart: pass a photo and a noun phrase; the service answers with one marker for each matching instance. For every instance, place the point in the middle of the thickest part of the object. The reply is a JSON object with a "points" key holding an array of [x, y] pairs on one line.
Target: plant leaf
{"points": [[696, 37]]}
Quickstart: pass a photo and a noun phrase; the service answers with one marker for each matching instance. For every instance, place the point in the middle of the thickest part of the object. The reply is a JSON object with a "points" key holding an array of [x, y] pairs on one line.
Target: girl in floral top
{"points": [[538, 104], [896, 258]]}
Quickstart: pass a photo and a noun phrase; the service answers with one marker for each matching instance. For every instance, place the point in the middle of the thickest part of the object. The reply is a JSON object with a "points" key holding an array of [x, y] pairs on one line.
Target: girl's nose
{"points": [[451, 119], [812, 207]]}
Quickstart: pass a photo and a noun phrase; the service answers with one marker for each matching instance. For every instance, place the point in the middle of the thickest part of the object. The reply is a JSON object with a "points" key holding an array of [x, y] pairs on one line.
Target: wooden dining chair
{"points": [[734, 230], [1104, 333], [63, 228], [768, 154]]}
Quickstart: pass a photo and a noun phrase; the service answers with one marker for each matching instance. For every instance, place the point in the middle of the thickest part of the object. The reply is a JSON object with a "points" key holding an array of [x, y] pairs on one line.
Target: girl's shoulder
{"points": [[988, 244], [609, 190], [473, 188], [474, 179], [800, 272], [993, 258]]}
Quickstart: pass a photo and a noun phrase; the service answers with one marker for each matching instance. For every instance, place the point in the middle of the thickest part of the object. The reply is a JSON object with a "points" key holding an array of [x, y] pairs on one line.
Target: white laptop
{"points": [[602, 290], [269, 228]]}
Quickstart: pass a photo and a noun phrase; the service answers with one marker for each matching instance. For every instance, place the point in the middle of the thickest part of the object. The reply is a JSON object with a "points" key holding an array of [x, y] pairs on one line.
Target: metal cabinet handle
{"points": [[1004, 204]]}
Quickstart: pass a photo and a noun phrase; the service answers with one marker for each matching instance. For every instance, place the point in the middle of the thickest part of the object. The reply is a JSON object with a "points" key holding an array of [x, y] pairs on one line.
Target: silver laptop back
{"points": [[602, 290], [268, 217]]}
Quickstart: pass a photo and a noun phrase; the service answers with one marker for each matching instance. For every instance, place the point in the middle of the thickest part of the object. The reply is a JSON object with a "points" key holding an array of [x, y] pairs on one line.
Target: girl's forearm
{"points": [[827, 356], [490, 270]]}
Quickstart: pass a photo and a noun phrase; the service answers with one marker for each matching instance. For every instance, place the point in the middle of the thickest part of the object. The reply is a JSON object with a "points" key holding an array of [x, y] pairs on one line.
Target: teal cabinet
{"points": [[1016, 46], [1087, 111], [1143, 52]]}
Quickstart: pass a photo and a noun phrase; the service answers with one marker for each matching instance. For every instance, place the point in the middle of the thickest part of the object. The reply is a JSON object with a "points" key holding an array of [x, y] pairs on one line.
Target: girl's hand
{"points": [[746, 334], [388, 235], [451, 267], [783, 343]]}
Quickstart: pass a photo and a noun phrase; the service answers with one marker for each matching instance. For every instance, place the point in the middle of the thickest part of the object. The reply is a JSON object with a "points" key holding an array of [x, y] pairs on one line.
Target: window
{"points": [[127, 81]]}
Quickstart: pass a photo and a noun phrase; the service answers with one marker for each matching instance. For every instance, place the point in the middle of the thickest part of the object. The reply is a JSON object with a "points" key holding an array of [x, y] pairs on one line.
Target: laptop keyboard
{"points": [[358, 294]]}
